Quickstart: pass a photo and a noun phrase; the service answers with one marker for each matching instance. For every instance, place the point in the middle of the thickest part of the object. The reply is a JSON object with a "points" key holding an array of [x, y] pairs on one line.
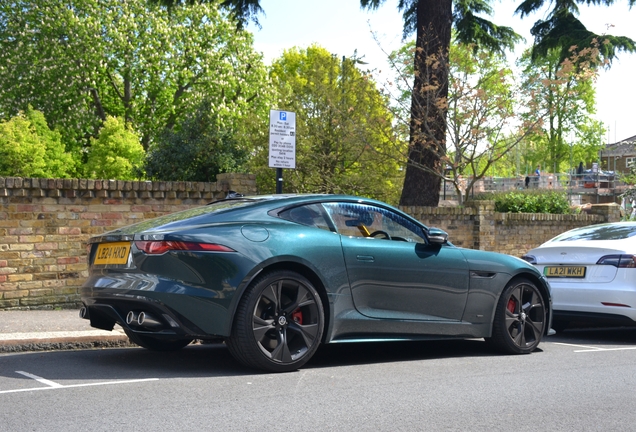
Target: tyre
{"points": [[520, 318], [156, 344], [278, 324]]}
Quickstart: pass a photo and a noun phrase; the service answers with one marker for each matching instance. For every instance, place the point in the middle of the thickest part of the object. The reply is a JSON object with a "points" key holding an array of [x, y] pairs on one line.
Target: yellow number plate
{"points": [[112, 253], [565, 271]]}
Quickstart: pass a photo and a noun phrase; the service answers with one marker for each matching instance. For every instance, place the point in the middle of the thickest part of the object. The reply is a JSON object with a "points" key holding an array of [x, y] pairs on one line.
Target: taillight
{"points": [[156, 247], [529, 258], [620, 261]]}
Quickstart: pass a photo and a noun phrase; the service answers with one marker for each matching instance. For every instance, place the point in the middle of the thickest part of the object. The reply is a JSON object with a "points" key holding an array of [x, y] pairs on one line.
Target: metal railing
{"points": [[588, 183]]}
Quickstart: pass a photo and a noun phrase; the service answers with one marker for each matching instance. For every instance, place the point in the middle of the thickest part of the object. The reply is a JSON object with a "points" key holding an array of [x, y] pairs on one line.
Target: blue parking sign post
{"points": [[282, 143]]}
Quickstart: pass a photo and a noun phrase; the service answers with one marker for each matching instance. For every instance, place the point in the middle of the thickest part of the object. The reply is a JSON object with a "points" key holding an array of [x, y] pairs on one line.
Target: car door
{"points": [[393, 271]]}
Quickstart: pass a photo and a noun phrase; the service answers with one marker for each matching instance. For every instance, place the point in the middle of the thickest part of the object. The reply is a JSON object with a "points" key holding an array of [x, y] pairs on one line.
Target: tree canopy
{"points": [[84, 60], [178, 74], [116, 153], [28, 148], [200, 149], [562, 30], [344, 131], [564, 91], [432, 21]]}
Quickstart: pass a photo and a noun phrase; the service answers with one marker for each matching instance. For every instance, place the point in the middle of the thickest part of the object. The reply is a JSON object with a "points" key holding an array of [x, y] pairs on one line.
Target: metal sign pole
{"points": [[279, 180]]}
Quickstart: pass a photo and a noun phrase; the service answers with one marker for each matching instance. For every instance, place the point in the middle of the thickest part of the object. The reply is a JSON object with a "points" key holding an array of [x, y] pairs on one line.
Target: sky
{"points": [[341, 27]]}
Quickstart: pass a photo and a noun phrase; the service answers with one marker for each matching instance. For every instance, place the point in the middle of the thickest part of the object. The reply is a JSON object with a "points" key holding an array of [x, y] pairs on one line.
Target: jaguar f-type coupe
{"points": [[276, 276]]}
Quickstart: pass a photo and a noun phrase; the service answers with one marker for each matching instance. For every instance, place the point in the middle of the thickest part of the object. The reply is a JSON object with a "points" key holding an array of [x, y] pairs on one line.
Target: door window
{"points": [[361, 220]]}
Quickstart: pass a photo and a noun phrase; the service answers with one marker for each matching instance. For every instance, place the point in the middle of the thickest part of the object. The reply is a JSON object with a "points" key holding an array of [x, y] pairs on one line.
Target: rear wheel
{"points": [[278, 323], [156, 344], [519, 322]]}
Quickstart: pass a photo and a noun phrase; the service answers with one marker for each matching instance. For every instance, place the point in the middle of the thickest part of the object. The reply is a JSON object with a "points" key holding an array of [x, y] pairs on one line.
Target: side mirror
{"points": [[437, 236]]}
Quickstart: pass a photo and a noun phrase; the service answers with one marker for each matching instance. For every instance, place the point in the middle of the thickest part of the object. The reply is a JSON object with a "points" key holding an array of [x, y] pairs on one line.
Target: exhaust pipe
{"points": [[147, 320], [83, 313], [132, 317]]}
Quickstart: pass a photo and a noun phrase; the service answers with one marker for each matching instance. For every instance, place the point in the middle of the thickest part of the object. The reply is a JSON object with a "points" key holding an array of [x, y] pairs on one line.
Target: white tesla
{"points": [[592, 272]]}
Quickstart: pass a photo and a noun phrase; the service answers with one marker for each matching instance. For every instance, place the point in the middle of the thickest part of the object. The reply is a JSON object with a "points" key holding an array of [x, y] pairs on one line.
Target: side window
{"points": [[360, 220], [309, 215]]}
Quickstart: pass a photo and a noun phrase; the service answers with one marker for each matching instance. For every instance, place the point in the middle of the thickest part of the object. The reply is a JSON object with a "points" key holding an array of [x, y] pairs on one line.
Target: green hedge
{"points": [[534, 201]]}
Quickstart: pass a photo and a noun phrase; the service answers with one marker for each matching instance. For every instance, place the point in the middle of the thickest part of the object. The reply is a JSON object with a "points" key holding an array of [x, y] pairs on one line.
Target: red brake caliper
{"points": [[512, 305], [297, 316]]}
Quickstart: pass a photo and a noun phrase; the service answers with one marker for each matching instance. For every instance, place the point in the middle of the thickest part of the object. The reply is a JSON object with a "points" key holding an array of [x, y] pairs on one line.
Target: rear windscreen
{"points": [[599, 232], [188, 215]]}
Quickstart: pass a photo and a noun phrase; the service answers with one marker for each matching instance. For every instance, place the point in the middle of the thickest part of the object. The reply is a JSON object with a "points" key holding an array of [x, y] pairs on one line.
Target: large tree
{"points": [[564, 91], [28, 148], [201, 148], [345, 141], [80, 61], [561, 29], [432, 21], [484, 121], [116, 153]]}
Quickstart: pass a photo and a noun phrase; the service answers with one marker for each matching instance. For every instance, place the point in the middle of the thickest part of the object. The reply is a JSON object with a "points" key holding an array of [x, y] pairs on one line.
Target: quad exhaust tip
{"points": [[148, 320], [132, 317], [83, 312], [143, 319]]}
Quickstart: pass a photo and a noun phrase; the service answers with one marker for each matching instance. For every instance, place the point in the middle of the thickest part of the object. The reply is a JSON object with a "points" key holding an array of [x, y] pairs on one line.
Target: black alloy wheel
{"points": [[278, 324], [520, 318]]}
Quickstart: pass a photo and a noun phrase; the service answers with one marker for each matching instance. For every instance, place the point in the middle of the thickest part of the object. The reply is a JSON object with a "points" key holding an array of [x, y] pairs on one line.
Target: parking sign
{"points": [[282, 139]]}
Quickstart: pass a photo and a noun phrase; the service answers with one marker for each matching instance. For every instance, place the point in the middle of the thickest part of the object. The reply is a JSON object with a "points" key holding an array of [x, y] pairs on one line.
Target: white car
{"points": [[592, 272]]}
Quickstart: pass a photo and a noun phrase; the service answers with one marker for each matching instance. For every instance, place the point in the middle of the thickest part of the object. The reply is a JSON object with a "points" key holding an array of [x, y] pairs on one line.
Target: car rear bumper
{"points": [[169, 309], [592, 319]]}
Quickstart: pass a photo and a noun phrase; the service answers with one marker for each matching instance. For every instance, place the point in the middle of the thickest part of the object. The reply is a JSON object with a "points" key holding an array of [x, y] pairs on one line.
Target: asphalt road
{"points": [[577, 381]]}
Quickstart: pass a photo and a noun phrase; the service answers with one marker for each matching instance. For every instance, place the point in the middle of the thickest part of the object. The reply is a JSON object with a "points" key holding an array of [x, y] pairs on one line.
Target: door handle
{"points": [[365, 258]]}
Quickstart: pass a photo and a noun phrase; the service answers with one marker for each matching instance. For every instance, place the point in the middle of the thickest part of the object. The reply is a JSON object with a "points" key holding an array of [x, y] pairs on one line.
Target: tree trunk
{"points": [[427, 144]]}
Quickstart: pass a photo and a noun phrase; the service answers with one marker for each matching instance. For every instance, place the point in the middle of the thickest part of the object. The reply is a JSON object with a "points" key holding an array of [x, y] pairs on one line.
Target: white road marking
{"points": [[53, 385], [607, 349], [593, 349], [40, 379], [572, 345]]}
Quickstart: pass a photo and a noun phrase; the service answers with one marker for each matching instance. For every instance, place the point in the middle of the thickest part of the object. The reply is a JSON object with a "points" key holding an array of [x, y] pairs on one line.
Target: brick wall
{"points": [[44, 225], [458, 222], [478, 226]]}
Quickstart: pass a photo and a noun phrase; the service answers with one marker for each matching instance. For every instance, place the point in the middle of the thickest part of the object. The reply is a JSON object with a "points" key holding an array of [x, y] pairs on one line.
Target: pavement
{"points": [[39, 330]]}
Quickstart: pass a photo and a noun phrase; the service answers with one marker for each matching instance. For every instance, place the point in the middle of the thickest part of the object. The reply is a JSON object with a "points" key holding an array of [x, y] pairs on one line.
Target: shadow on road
{"points": [[347, 354], [614, 336], [211, 360], [214, 360]]}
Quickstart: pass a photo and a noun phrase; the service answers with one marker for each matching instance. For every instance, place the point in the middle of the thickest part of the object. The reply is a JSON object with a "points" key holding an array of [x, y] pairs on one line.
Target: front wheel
{"points": [[278, 324], [520, 318]]}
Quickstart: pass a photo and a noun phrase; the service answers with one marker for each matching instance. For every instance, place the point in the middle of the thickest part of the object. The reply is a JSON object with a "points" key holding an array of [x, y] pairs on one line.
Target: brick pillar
{"points": [[611, 212], [484, 221], [241, 183]]}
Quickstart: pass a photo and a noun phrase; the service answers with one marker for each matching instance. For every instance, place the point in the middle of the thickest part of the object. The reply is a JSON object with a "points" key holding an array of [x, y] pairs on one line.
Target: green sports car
{"points": [[276, 276]]}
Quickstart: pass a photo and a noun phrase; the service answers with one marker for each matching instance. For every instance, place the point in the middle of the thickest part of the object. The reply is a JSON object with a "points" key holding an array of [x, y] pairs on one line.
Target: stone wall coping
{"points": [[110, 185]]}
